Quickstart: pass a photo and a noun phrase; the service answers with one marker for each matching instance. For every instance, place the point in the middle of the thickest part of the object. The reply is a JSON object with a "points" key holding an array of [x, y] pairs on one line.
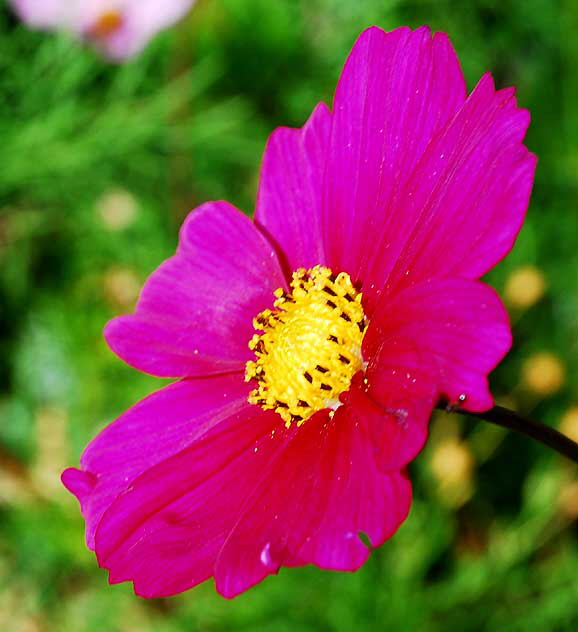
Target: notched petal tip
{"points": [[375, 31]]}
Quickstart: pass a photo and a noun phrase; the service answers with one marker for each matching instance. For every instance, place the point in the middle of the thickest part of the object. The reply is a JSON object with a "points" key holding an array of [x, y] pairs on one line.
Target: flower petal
{"points": [[194, 315], [323, 490], [396, 412], [289, 200], [450, 332], [165, 531], [464, 205], [47, 14], [396, 92], [158, 427], [249, 497]]}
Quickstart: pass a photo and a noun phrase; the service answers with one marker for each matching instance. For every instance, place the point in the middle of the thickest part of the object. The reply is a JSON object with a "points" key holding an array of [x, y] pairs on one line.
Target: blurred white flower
{"points": [[118, 28]]}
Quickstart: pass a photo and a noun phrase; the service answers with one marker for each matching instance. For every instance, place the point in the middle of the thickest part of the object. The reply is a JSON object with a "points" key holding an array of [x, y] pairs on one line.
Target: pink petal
{"points": [[165, 531], [248, 497], [158, 427], [464, 205], [40, 14], [397, 91], [289, 200], [323, 490], [194, 315], [396, 412], [449, 332]]}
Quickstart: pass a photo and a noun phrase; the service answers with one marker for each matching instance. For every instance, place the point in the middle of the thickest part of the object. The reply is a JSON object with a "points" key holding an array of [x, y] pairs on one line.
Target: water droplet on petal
{"points": [[266, 558]]}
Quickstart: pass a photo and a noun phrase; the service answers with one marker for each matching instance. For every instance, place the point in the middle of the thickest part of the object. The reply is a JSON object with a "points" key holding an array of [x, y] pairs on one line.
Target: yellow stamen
{"points": [[310, 347], [106, 24]]}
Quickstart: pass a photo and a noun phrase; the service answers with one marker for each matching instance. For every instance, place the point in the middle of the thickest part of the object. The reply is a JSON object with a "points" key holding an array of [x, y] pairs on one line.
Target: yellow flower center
{"points": [[106, 24], [310, 347]]}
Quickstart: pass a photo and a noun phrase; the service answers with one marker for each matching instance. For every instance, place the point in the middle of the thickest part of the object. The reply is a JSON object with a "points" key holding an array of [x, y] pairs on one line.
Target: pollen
{"points": [[310, 345]]}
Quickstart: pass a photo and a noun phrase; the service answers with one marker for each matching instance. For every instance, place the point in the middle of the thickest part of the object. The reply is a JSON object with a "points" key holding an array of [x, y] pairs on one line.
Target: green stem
{"points": [[534, 429]]}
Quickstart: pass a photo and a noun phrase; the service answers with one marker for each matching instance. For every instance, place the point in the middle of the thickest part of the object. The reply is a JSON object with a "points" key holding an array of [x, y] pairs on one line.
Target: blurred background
{"points": [[99, 164]]}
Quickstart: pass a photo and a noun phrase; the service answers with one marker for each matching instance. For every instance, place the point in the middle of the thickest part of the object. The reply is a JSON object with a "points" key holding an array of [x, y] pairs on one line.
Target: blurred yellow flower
{"points": [[121, 287], [524, 287], [568, 500], [452, 464], [543, 373], [569, 423], [51, 423], [117, 209]]}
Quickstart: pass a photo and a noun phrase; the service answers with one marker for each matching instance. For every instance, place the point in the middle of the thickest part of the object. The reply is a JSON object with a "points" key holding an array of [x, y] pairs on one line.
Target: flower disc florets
{"points": [[106, 24], [310, 347]]}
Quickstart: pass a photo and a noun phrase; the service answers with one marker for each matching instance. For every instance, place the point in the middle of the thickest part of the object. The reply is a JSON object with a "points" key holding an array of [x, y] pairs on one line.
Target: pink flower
{"points": [[383, 212], [118, 28]]}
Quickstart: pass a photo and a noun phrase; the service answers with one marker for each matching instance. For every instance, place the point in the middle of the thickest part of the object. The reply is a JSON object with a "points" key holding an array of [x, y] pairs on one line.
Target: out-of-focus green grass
{"points": [[98, 166]]}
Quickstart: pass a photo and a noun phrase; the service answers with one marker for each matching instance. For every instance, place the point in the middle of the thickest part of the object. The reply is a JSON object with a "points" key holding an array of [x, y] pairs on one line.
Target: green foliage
{"points": [[100, 163]]}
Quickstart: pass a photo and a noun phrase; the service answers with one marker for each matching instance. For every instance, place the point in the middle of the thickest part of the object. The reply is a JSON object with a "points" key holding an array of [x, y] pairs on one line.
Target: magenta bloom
{"points": [[118, 28], [313, 343]]}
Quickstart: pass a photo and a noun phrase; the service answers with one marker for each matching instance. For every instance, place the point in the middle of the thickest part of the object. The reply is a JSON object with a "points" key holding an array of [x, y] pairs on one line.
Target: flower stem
{"points": [[533, 429]]}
